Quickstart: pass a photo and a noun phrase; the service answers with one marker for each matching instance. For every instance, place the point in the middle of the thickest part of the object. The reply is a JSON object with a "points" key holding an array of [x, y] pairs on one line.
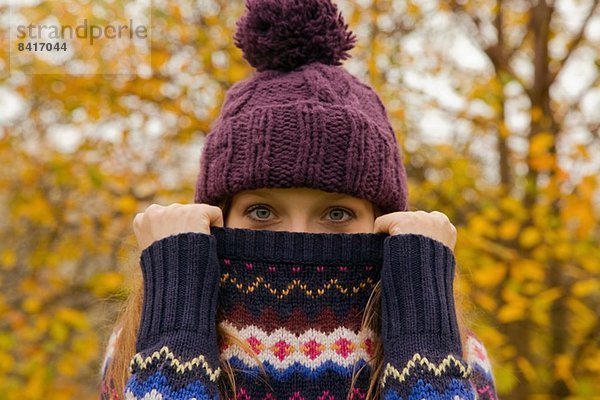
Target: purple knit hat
{"points": [[301, 120]]}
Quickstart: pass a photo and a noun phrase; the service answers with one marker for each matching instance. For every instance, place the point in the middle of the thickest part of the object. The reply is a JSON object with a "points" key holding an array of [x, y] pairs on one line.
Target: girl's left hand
{"points": [[434, 224]]}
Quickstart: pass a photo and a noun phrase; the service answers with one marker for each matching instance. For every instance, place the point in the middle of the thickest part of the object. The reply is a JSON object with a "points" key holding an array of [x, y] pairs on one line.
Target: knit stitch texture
{"points": [[301, 120], [298, 300]]}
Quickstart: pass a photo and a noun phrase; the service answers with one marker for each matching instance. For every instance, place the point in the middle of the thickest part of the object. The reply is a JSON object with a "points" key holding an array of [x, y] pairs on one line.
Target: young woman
{"points": [[298, 272]]}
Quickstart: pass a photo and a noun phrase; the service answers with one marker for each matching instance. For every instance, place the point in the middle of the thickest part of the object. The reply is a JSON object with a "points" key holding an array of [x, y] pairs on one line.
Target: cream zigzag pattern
{"points": [[269, 346], [296, 283], [179, 365], [436, 369]]}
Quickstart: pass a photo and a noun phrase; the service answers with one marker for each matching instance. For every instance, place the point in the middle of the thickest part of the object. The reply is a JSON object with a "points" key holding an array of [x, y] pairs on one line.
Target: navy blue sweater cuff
{"points": [[418, 310], [181, 283]]}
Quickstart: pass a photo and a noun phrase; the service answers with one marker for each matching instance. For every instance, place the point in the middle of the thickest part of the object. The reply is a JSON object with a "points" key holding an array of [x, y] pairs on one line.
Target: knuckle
{"points": [[441, 215], [137, 218], [153, 208]]}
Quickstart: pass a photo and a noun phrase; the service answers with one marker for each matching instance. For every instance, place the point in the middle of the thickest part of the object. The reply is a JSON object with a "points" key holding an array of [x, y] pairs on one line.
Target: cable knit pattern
{"points": [[298, 300], [316, 126], [301, 120]]}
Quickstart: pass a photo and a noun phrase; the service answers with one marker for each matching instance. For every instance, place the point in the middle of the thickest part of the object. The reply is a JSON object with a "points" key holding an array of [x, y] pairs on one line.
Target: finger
{"points": [[136, 220], [215, 216], [140, 231], [390, 223], [381, 224]]}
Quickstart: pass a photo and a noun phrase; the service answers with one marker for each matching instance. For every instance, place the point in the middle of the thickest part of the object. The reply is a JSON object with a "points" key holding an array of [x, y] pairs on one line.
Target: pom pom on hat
{"points": [[285, 34]]}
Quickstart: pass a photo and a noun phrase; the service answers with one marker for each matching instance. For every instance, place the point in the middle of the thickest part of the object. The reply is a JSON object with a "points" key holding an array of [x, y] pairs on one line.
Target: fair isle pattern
{"points": [[312, 349], [456, 390], [299, 303], [356, 394], [110, 349], [476, 354], [153, 395], [417, 360], [157, 387], [332, 284], [107, 387], [166, 355], [483, 379]]}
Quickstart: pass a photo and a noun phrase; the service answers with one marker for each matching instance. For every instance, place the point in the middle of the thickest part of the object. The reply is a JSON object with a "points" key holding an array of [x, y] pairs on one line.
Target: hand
{"points": [[434, 224], [158, 222]]}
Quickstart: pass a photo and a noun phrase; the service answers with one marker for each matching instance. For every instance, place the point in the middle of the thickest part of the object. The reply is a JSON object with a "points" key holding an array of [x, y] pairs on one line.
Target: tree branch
{"points": [[575, 43], [575, 105]]}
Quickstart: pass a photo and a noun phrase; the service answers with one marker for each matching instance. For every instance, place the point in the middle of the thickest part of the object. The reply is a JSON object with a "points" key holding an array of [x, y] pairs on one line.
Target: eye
{"points": [[337, 215], [259, 212]]}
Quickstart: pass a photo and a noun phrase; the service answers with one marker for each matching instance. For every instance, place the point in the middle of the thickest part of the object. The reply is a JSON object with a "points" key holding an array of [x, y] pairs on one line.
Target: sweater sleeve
{"points": [[107, 387], [422, 355], [177, 351], [482, 377]]}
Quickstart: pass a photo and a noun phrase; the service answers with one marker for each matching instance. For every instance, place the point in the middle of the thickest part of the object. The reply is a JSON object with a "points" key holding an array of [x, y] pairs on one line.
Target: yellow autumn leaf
{"points": [[237, 72], [586, 287], [489, 275], [509, 229], [68, 366], [591, 264], [127, 204], [7, 361], [105, 283], [37, 209], [485, 301], [492, 214], [34, 387], [543, 162], [588, 186], [530, 237], [528, 269], [77, 319], [482, 226], [513, 207], [510, 313], [503, 130], [536, 113], [563, 367], [528, 370], [548, 296], [562, 250], [541, 143], [8, 258], [86, 346], [32, 305], [413, 9], [582, 151], [58, 331], [584, 313]]}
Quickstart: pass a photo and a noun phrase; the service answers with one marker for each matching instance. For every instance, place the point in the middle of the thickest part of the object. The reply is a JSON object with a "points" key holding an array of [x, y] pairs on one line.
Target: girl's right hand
{"points": [[158, 222]]}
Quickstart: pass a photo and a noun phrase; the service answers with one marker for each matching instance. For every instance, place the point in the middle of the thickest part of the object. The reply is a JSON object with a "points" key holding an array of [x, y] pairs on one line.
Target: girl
{"points": [[299, 271]]}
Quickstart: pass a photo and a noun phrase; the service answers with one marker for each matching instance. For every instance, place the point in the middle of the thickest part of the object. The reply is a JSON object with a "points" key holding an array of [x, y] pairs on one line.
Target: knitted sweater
{"points": [[298, 300]]}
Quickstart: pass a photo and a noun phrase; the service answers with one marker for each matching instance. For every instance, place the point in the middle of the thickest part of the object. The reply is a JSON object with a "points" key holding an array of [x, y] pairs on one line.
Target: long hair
{"points": [[129, 322]]}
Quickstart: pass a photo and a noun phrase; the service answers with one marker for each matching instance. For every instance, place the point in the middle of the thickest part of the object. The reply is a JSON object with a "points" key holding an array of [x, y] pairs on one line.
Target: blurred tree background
{"points": [[495, 104]]}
